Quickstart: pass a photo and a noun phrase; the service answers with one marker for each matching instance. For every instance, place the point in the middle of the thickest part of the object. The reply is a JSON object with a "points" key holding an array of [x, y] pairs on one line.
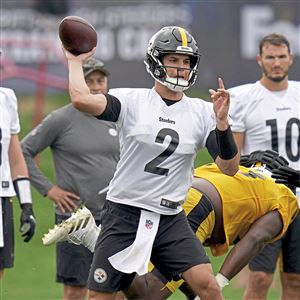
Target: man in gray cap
{"points": [[96, 76], [85, 151]]}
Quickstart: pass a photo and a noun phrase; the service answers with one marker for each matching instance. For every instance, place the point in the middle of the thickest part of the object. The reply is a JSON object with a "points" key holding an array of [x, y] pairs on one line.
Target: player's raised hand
{"points": [[221, 100], [78, 37], [80, 58]]}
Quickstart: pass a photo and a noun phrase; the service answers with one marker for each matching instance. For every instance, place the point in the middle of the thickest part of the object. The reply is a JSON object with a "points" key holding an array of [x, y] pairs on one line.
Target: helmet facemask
{"points": [[169, 40]]}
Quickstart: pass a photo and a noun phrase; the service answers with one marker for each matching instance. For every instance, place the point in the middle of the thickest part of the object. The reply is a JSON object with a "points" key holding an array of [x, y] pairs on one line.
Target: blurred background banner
{"points": [[227, 33]]}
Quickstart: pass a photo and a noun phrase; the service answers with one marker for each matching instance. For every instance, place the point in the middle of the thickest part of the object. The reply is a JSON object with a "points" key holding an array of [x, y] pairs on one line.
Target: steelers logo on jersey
{"points": [[100, 275], [112, 132]]}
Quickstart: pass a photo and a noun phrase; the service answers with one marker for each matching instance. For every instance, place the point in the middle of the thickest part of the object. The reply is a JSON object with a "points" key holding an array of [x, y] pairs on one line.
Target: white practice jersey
{"points": [[9, 124], [270, 120], [158, 144]]}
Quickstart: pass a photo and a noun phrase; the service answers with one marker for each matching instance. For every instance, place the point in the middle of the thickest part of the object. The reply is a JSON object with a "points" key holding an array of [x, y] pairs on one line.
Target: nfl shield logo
{"points": [[148, 224]]}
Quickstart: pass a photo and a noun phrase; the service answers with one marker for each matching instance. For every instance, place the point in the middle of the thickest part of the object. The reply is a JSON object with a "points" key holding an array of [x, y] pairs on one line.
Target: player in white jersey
{"points": [[161, 130], [266, 116], [266, 119], [13, 180]]}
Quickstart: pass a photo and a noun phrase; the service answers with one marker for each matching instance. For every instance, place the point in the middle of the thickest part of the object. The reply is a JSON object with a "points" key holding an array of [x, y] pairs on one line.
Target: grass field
{"points": [[33, 277]]}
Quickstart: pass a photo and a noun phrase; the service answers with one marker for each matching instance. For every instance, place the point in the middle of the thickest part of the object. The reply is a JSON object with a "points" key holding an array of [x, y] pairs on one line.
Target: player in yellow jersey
{"points": [[247, 210]]}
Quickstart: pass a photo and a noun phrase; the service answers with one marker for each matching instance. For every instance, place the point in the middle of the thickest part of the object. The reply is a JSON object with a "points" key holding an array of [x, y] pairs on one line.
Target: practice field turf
{"points": [[33, 277]]}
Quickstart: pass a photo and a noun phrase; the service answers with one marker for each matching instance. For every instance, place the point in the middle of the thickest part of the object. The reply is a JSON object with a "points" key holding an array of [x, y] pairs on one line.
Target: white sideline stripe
{"points": [[104, 190]]}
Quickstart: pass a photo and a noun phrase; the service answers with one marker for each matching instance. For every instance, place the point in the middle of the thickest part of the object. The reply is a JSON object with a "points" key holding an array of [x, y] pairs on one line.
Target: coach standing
{"points": [[85, 153]]}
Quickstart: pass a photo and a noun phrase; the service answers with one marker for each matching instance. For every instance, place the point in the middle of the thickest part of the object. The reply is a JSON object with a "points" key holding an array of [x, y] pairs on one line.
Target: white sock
{"points": [[89, 241]]}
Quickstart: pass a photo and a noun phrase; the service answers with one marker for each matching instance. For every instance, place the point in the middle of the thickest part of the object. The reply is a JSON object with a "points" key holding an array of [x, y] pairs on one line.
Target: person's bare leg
{"points": [[74, 292], [202, 280], [290, 286], [93, 295], [119, 296], [147, 287], [258, 285], [241, 278]]}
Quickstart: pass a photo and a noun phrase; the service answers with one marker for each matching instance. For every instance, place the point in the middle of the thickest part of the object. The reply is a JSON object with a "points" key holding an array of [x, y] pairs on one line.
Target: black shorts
{"points": [[7, 252], [286, 249], [176, 248], [73, 262]]}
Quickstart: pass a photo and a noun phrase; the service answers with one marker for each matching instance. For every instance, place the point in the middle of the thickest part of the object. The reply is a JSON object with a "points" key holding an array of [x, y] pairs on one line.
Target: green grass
{"points": [[33, 276]]}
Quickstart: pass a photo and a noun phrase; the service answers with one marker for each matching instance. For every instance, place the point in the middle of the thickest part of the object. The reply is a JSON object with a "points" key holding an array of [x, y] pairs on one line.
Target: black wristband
{"points": [[226, 144]]}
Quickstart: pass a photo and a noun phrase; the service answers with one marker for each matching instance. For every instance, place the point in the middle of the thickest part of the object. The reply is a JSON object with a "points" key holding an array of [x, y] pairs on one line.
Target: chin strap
{"points": [[176, 84]]}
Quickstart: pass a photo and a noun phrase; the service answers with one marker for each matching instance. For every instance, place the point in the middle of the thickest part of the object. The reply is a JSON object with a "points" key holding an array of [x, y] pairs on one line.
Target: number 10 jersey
{"points": [[269, 119]]}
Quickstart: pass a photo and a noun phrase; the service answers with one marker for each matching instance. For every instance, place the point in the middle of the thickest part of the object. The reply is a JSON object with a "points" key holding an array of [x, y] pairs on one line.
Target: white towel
{"points": [[1, 225], [136, 257], [104, 190]]}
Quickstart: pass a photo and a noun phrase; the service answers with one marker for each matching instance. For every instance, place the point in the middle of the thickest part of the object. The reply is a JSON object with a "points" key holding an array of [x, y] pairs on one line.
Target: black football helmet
{"points": [[172, 39]]}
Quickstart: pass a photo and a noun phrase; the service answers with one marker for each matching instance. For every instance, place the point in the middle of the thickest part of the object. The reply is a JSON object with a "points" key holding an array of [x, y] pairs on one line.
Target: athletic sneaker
{"points": [[79, 229]]}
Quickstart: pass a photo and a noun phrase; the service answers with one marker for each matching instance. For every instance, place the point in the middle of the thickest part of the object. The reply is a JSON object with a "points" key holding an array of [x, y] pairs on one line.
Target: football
{"points": [[77, 35]]}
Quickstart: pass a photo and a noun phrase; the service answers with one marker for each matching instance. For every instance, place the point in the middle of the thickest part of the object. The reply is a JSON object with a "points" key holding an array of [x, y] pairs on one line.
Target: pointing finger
{"points": [[221, 84]]}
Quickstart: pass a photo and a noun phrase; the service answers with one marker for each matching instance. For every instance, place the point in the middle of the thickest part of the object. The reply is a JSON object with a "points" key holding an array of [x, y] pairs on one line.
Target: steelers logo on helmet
{"points": [[172, 39]]}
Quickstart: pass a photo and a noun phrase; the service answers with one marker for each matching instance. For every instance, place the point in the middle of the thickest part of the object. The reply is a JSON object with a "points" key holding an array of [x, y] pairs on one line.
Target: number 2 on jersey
{"points": [[152, 166]]}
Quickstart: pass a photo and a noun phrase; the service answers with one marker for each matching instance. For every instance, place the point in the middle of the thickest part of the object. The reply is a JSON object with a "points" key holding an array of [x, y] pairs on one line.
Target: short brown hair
{"points": [[274, 39]]}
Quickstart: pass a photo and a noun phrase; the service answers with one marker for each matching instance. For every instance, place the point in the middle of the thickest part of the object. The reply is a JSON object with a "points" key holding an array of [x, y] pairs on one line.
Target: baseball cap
{"points": [[94, 64]]}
